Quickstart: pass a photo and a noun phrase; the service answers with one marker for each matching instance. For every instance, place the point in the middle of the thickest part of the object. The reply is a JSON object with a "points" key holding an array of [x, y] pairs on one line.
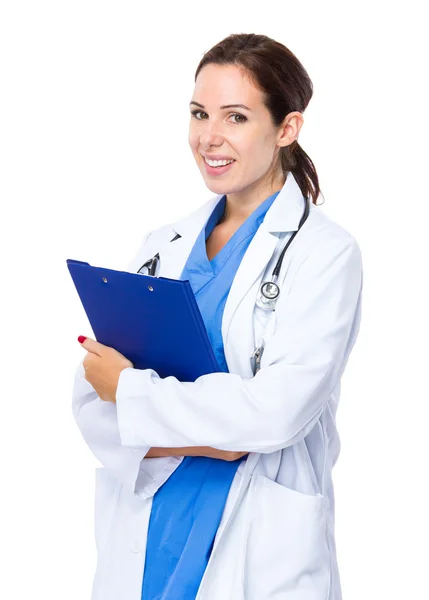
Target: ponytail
{"points": [[293, 158]]}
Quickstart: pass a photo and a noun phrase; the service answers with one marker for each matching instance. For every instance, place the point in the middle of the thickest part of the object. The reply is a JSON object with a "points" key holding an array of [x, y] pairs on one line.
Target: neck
{"points": [[239, 206]]}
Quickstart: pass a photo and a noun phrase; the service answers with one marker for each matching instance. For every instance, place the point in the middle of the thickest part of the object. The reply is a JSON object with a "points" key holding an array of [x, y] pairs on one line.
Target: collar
{"points": [[283, 215]]}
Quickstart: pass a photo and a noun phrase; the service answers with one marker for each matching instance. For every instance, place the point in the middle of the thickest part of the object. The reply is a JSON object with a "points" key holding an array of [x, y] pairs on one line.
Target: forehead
{"points": [[225, 84]]}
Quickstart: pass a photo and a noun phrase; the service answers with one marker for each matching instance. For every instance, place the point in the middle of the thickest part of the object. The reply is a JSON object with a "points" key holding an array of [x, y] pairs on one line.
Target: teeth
{"points": [[217, 163]]}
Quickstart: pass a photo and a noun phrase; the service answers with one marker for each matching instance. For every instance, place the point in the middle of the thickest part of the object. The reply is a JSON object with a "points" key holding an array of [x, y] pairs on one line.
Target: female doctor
{"points": [[222, 488]]}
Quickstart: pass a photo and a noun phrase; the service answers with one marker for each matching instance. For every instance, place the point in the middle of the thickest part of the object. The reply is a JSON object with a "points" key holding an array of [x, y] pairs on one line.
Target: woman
{"points": [[222, 488]]}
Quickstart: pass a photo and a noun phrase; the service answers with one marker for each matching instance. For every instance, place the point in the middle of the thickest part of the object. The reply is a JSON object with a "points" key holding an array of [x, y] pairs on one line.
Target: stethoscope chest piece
{"points": [[269, 290], [268, 294]]}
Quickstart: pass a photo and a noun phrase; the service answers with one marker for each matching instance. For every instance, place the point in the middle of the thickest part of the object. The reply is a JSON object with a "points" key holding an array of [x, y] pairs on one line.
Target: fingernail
{"points": [[81, 339]]}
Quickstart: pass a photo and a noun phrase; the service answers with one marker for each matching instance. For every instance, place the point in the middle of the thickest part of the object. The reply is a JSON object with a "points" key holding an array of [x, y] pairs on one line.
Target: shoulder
{"points": [[324, 226], [326, 254], [154, 240], [322, 235], [197, 215]]}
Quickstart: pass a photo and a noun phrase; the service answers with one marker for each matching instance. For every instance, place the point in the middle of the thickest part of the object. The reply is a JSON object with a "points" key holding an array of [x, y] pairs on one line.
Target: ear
{"points": [[290, 128]]}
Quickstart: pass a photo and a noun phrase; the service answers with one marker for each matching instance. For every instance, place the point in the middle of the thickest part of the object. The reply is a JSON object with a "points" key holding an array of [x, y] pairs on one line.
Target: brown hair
{"points": [[286, 86]]}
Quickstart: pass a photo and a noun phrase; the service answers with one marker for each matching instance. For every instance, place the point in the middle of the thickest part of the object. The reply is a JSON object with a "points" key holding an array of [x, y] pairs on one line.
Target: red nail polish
{"points": [[81, 339]]}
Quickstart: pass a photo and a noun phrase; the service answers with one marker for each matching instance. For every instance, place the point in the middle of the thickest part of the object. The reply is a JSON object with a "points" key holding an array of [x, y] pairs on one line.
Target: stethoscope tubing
{"points": [[276, 271]]}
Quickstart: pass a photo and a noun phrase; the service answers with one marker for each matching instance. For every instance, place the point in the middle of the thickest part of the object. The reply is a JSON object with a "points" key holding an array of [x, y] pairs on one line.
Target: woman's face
{"points": [[245, 135]]}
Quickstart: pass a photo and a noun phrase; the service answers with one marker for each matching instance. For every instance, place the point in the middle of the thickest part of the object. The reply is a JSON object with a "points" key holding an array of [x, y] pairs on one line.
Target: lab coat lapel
{"points": [[175, 254], [284, 215], [251, 268]]}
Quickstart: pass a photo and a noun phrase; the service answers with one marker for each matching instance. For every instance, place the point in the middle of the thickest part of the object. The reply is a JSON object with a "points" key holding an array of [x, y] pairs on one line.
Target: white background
{"points": [[93, 135]]}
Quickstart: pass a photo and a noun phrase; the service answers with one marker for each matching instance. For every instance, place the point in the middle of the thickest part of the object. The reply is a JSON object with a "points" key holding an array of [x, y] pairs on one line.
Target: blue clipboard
{"points": [[154, 321]]}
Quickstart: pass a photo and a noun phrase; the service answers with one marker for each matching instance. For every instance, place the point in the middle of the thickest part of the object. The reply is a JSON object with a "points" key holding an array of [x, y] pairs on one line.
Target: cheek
{"points": [[193, 144], [248, 144], [192, 136], [264, 151], [252, 154]]}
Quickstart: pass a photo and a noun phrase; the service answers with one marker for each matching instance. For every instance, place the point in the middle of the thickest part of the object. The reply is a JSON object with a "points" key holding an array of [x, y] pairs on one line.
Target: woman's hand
{"points": [[103, 365]]}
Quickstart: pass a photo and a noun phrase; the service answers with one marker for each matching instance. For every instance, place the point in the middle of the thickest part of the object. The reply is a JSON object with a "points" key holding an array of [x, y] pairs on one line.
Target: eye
{"points": [[195, 112], [239, 115]]}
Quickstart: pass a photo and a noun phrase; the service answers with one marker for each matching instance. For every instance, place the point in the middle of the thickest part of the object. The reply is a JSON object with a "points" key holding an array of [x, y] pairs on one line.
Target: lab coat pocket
{"points": [[287, 553], [107, 490]]}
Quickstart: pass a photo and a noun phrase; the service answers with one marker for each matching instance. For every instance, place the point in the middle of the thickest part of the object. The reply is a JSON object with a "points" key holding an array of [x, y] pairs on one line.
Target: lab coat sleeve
{"points": [[317, 325], [98, 424]]}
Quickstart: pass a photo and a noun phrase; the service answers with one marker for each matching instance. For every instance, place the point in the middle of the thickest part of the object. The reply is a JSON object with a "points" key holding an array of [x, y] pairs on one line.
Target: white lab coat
{"points": [[276, 537]]}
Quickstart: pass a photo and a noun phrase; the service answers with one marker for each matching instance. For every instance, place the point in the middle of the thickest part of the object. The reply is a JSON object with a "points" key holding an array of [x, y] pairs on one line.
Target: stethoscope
{"points": [[152, 263], [269, 291]]}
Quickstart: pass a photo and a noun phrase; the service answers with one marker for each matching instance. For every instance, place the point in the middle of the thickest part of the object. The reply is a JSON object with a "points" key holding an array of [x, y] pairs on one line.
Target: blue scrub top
{"points": [[187, 509]]}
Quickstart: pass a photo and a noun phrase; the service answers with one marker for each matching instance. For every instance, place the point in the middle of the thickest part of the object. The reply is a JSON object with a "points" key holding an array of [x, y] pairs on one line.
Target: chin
{"points": [[215, 189]]}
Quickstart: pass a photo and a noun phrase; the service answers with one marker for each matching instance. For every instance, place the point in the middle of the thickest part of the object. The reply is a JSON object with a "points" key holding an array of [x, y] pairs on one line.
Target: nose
{"points": [[211, 134]]}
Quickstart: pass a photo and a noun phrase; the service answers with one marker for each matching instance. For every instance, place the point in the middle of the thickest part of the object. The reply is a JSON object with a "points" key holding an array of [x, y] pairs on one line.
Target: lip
{"points": [[216, 171]]}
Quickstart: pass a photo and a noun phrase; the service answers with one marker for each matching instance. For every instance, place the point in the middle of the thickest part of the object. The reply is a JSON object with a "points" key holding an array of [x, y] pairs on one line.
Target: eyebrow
{"points": [[222, 107]]}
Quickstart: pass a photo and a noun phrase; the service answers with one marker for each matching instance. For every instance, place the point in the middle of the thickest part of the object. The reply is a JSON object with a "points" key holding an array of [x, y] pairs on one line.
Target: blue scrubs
{"points": [[187, 509]]}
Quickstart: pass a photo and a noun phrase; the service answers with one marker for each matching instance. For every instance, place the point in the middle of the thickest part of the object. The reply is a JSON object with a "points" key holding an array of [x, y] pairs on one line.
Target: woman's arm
{"points": [[141, 470], [195, 451], [98, 424], [317, 323]]}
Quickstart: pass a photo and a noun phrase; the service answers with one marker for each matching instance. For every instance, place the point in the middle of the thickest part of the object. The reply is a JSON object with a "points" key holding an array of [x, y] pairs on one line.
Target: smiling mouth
{"points": [[218, 166]]}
